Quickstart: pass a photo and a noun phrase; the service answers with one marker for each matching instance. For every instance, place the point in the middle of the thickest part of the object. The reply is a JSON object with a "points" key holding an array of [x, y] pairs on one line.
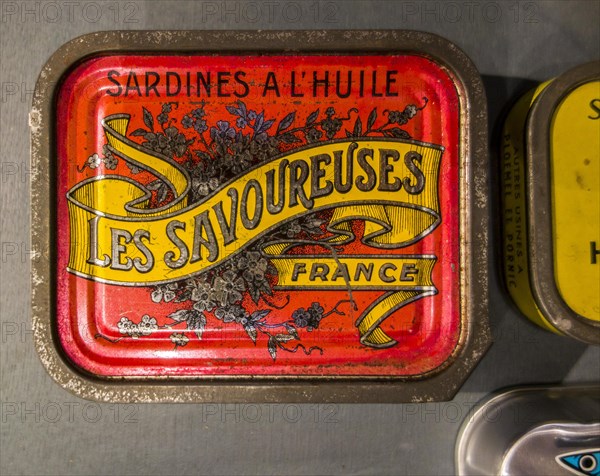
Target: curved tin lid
{"points": [[260, 216], [563, 144]]}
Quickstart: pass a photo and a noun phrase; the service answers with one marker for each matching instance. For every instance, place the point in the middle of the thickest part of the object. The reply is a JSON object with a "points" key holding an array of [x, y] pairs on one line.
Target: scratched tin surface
{"points": [[278, 216]]}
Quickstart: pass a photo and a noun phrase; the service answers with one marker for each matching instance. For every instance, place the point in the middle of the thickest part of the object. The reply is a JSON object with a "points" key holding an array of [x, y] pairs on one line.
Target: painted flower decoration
{"points": [[94, 161], [331, 125], [204, 296], [147, 325], [195, 120], [264, 148], [309, 318], [222, 132], [229, 288], [233, 313], [176, 142], [128, 328], [236, 163], [164, 292], [110, 162], [252, 262], [179, 339], [293, 229], [313, 135], [301, 317]]}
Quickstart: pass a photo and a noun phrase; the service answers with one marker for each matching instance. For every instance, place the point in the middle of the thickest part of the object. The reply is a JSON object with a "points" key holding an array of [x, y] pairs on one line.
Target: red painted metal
{"points": [[413, 97]]}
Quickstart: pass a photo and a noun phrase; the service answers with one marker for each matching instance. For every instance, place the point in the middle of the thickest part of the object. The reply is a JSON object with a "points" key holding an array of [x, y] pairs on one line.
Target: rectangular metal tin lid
{"points": [[284, 216]]}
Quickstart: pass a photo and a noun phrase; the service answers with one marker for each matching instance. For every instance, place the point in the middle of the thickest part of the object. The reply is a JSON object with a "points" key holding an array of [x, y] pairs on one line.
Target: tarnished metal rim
{"points": [[539, 206], [440, 384]]}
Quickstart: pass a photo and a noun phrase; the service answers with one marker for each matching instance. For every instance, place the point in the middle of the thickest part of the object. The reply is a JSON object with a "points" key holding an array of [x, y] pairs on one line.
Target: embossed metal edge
{"points": [[474, 223], [539, 206]]}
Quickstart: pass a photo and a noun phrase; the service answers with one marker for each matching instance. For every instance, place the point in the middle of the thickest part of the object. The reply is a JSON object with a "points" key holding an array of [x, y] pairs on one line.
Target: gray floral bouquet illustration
{"points": [[214, 154]]}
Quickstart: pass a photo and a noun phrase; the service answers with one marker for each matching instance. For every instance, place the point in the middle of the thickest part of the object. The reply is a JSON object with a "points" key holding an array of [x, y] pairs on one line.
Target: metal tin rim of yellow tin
{"points": [[473, 223], [540, 244]]}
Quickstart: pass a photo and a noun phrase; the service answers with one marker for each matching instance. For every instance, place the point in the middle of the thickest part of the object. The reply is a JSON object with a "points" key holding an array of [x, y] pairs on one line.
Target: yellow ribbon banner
{"points": [[390, 184], [405, 279]]}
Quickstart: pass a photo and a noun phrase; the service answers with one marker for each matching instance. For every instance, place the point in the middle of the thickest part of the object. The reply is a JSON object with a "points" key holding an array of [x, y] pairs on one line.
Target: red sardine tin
{"points": [[237, 223]]}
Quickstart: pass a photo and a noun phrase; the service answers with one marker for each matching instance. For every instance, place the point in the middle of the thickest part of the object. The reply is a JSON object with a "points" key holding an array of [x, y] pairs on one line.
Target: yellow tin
{"points": [[550, 185]]}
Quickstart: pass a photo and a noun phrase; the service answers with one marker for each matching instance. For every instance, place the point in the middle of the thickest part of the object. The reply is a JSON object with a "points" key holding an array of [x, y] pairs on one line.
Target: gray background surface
{"points": [[45, 430]]}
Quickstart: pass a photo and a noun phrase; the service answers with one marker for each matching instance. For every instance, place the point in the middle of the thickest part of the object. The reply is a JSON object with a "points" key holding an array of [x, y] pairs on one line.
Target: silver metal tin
{"points": [[530, 431]]}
